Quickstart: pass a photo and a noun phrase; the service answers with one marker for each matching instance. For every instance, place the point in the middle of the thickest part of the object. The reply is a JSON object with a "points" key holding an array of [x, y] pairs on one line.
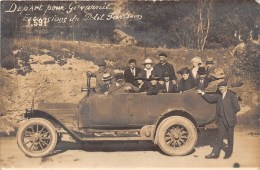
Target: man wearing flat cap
{"points": [[160, 68], [226, 109], [131, 72], [120, 86]]}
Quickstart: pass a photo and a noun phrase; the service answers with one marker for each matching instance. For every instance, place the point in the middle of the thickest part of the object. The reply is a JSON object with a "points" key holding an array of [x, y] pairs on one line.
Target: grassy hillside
{"points": [[55, 70]]}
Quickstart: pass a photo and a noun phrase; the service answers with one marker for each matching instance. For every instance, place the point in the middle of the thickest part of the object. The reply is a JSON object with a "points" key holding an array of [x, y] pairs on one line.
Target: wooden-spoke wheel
{"points": [[37, 137], [177, 135]]}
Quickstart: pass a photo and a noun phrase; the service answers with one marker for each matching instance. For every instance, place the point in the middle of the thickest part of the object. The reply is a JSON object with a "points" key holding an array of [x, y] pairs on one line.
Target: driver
{"points": [[100, 83], [120, 86]]}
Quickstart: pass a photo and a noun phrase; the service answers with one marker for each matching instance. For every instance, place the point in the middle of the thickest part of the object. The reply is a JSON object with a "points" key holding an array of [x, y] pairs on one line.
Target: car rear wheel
{"points": [[36, 137], [176, 136]]}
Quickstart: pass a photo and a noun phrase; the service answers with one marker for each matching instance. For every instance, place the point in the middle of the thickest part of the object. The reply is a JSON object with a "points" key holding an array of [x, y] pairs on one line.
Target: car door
{"points": [[103, 111], [143, 109]]}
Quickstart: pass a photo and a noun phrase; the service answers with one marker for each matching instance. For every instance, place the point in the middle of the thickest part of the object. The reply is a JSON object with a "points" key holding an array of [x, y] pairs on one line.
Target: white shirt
{"points": [[224, 94], [194, 71], [148, 72], [141, 84], [167, 86], [133, 71]]}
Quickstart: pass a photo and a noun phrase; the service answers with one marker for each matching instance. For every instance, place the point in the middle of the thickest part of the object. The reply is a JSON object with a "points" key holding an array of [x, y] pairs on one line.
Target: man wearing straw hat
{"points": [[217, 76], [107, 78]]}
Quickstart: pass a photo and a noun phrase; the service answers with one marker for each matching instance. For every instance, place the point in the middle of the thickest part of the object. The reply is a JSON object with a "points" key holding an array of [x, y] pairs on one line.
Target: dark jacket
{"points": [[113, 89], [154, 89], [129, 78], [100, 84], [203, 85], [145, 86], [209, 71], [172, 88], [160, 69], [186, 84], [229, 103]]}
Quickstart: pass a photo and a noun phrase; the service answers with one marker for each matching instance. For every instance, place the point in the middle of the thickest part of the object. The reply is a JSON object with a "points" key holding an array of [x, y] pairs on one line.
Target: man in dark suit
{"points": [[168, 86], [155, 87], [160, 68], [202, 81], [120, 86], [209, 67], [226, 109], [143, 84], [131, 72]]}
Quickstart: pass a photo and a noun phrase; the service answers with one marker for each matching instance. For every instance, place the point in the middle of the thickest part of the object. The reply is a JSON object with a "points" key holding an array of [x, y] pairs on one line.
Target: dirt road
{"points": [[132, 155]]}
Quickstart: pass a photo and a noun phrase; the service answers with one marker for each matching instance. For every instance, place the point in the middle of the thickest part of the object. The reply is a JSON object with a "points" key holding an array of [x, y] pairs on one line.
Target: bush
{"points": [[247, 63]]}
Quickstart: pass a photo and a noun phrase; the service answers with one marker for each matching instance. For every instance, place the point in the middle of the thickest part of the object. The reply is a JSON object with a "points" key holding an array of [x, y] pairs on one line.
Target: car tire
{"points": [[37, 137], [177, 136]]}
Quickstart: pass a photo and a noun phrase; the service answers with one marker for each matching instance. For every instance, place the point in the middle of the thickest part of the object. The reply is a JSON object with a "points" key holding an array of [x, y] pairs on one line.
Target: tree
{"points": [[204, 11]]}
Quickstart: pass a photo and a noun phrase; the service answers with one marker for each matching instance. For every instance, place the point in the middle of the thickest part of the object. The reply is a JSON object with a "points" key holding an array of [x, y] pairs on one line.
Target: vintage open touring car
{"points": [[169, 120]]}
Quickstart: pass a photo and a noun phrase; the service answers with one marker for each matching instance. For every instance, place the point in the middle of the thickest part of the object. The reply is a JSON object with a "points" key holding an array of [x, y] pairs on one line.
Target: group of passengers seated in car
{"points": [[158, 78]]}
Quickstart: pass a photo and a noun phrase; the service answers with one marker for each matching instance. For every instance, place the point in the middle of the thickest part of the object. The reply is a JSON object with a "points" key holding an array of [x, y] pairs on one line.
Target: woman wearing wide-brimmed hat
{"points": [[148, 67], [196, 63]]}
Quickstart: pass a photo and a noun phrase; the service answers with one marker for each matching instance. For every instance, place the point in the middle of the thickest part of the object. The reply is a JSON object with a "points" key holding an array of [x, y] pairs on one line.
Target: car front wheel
{"points": [[36, 137], [177, 136]]}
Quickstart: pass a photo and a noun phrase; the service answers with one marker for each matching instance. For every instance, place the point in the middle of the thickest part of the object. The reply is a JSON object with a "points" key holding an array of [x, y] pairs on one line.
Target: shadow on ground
{"points": [[206, 138]]}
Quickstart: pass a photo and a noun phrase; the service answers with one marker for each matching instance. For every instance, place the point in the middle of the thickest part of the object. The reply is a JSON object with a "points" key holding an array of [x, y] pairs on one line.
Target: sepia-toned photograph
{"points": [[147, 84]]}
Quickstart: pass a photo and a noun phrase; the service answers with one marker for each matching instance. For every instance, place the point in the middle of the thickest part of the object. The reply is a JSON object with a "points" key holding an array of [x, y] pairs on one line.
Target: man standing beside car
{"points": [[226, 109]]}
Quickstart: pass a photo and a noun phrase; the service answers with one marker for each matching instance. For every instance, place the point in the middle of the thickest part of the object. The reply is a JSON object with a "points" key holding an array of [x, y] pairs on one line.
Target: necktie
{"points": [[133, 71]]}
